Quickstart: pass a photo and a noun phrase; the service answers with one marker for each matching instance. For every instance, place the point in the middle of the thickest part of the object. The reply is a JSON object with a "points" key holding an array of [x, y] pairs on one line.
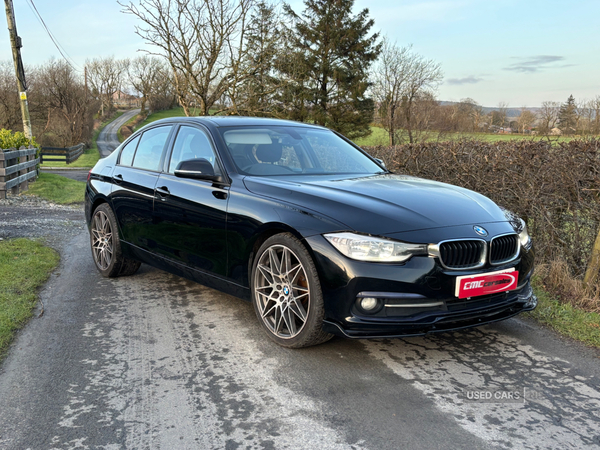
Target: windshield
{"points": [[281, 150]]}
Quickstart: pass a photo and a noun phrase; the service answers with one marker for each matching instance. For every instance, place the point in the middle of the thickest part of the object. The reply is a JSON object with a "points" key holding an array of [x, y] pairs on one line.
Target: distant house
{"points": [[124, 100], [555, 132]]}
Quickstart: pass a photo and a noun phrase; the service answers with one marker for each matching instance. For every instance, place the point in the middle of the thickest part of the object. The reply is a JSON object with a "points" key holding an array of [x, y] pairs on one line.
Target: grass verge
{"points": [[175, 112], [58, 189], [24, 266], [566, 319], [91, 155], [131, 125]]}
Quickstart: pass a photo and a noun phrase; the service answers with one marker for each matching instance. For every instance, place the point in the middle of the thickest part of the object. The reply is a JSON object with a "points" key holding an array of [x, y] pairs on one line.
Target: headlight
{"points": [[524, 238], [366, 248], [520, 227]]}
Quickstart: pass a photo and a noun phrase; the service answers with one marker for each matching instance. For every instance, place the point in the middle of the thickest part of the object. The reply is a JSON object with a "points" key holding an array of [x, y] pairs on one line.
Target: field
{"points": [[379, 136]]}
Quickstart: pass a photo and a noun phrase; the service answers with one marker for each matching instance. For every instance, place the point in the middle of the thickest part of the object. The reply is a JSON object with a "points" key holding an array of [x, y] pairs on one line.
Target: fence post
{"points": [[25, 184], [3, 165], [13, 162]]}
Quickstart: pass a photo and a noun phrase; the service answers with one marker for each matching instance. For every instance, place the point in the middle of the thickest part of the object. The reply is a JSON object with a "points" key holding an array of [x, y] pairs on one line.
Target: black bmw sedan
{"points": [[315, 232]]}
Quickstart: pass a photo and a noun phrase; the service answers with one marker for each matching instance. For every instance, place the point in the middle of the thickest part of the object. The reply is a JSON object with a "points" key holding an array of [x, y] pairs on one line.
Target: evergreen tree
{"points": [[333, 52], [263, 42], [567, 116]]}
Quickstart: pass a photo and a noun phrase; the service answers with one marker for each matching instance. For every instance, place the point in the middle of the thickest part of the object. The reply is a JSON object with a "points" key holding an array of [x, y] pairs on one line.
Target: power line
{"points": [[59, 47]]}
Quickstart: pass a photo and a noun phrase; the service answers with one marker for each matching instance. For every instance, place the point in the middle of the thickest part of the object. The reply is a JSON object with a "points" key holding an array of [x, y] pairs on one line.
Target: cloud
{"points": [[471, 79], [532, 64]]}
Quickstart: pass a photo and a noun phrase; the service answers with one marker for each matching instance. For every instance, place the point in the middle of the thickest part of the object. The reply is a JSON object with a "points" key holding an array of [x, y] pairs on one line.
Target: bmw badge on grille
{"points": [[480, 230]]}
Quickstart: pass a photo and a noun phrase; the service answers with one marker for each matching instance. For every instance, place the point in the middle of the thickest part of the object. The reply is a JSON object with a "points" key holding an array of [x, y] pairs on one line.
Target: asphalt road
{"points": [[154, 361], [107, 139]]}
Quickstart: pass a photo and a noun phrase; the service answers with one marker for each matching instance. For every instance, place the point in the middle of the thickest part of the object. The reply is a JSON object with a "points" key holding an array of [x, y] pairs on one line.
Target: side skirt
{"points": [[179, 269]]}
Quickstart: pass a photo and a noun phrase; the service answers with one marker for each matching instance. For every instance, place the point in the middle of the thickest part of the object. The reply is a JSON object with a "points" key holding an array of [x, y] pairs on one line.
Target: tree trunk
{"points": [[391, 126], [591, 273]]}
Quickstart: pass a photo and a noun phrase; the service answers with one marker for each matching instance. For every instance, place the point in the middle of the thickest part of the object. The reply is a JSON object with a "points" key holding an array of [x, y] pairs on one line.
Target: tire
{"points": [[106, 245], [286, 293]]}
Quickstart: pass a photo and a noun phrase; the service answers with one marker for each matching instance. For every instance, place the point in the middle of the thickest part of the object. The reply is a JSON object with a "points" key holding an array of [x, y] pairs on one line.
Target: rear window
{"points": [[150, 148], [128, 151]]}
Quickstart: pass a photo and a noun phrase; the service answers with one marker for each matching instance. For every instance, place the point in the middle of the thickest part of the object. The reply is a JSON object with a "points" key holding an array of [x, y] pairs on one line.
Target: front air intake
{"points": [[504, 249], [462, 254]]}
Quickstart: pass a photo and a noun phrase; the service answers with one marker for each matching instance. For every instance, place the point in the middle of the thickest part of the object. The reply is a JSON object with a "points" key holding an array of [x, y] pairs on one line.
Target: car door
{"points": [[134, 180], [191, 215]]}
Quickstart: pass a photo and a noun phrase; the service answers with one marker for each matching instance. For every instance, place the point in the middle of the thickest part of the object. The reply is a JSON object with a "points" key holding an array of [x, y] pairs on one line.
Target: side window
{"points": [[192, 143], [128, 151], [151, 147]]}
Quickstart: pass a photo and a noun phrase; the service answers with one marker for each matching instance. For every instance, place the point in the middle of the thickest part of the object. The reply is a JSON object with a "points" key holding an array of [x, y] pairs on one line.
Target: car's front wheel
{"points": [[286, 293], [106, 246]]}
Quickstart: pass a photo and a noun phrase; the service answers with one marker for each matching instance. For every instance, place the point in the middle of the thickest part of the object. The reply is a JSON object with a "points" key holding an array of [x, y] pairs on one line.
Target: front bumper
{"points": [[481, 312], [417, 297]]}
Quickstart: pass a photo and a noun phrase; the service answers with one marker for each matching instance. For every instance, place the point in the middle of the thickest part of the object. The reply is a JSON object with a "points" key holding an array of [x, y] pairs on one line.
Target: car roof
{"points": [[234, 121]]}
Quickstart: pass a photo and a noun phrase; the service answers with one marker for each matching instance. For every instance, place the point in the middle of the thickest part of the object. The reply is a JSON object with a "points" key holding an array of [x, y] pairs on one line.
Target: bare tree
{"points": [[402, 78], [163, 94], [389, 83], [548, 117], [203, 41], [468, 115], [10, 108], [585, 114], [143, 74], [502, 113], [526, 120], [424, 76], [60, 106], [105, 76], [594, 107]]}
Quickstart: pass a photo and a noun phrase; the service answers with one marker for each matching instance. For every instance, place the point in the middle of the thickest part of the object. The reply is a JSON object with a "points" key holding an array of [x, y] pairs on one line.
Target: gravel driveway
{"points": [[154, 361], [29, 216]]}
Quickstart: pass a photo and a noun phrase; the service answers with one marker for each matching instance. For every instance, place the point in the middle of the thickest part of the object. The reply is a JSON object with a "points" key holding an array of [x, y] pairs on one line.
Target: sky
{"points": [[519, 52]]}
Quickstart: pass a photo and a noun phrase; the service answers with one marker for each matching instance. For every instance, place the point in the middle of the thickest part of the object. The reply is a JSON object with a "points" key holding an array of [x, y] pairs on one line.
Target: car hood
{"points": [[381, 204]]}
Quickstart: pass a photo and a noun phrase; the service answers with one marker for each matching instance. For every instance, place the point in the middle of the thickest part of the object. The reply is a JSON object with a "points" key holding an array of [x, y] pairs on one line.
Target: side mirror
{"points": [[381, 162], [197, 169]]}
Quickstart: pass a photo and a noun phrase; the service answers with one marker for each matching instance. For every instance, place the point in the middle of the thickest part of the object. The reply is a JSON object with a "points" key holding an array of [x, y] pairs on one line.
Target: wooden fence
{"points": [[68, 154], [17, 168]]}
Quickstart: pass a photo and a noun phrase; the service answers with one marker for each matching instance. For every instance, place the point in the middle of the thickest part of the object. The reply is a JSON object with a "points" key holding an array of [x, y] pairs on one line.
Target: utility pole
{"points": [[15, 42]]}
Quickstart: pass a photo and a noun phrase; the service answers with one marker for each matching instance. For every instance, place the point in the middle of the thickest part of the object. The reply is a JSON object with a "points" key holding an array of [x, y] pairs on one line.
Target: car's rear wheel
{"points": [[106, 247], [286, 293]]}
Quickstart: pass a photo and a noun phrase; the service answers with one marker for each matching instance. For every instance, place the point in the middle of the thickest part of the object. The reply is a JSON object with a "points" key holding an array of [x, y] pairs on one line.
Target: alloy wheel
{"points": [[102, 240], [282, 291]]}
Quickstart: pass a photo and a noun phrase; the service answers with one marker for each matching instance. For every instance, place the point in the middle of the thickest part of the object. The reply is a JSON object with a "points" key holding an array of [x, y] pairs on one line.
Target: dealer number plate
{"points": [[486, 283]]}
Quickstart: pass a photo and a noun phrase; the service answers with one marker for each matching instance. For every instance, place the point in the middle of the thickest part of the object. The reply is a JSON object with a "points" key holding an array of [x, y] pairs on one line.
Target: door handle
{"points": [[163, 192], [118, 178]]}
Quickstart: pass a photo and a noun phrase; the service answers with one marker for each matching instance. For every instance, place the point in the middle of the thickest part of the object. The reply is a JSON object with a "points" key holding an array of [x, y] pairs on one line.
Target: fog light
{"points": [[369, 303]]}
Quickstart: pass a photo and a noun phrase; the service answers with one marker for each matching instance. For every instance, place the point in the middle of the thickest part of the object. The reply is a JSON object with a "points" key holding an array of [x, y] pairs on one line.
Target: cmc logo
{"points": [[485, 284]]}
